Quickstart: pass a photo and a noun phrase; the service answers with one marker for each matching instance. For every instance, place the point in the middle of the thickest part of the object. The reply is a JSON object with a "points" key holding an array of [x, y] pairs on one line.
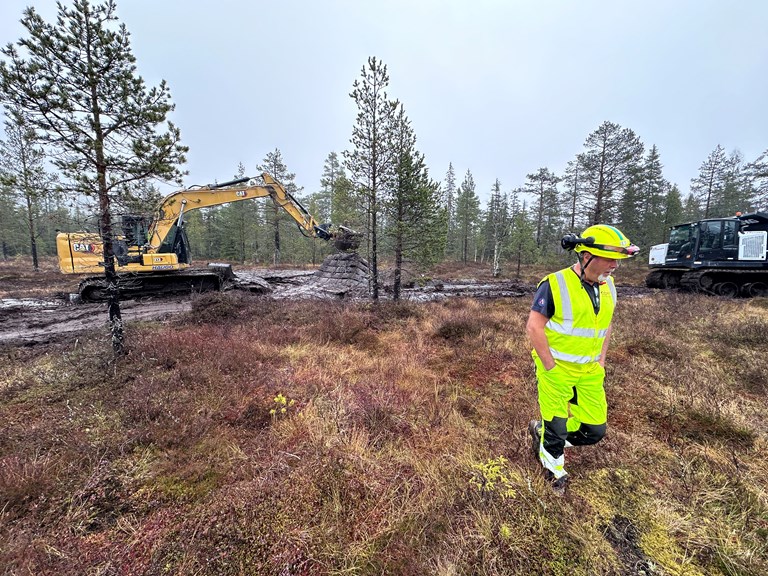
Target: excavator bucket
{"points": [[346, 239]]}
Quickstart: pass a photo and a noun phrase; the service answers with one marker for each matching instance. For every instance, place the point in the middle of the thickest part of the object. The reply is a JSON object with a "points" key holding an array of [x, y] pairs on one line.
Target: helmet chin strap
{"points": [[582, 266], [594, 296]]}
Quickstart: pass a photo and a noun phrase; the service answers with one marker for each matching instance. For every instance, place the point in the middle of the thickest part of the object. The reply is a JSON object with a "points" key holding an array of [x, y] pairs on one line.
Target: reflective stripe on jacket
{"points": [[575, 333]]}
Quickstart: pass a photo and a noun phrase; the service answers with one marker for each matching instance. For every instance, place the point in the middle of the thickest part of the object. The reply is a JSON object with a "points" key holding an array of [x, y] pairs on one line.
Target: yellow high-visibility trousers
{"points": [[574, 411]]}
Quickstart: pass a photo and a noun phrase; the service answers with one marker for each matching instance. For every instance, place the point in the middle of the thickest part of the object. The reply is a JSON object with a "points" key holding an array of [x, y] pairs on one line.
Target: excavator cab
{"points": [[128, 248], [134, 229]]}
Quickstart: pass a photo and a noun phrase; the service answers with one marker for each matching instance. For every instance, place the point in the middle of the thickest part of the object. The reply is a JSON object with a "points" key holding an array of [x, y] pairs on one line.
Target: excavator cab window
{"points": [[719, 240], [181, 245], [128, 248], [731, 240], [134, 229]]}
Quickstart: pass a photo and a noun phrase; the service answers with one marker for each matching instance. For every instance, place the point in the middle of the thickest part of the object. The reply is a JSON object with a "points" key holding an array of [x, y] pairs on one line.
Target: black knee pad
{"points": [[555, 434], [592, 433]]}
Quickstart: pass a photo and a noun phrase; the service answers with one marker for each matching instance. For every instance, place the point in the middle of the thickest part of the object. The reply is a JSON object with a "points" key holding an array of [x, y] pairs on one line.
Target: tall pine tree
{"points": [[542, 185], [499, 225], [371, 162], [273, 164], [607, 163], [449, 202], [707, 188], [412, 209], [467, 216], [337, 185], [22, 167], [75, 81], [673, 213], [757, 172], [521, 243]]}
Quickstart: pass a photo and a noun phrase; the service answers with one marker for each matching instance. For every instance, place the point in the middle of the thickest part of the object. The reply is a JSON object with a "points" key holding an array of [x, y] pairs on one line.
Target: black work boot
{"points": [[534, 429], [558, 484]]}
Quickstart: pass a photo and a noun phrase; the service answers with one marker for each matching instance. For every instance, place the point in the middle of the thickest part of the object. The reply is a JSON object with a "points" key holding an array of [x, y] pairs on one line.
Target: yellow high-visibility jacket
{"points": [[575, 333]]}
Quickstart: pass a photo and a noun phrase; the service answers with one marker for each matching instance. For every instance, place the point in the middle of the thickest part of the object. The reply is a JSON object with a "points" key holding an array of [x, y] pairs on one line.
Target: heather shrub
{"points": [[326, 437]]}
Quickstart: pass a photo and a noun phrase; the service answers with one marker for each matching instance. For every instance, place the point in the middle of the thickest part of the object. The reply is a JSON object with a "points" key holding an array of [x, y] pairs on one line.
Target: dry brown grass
{"points": [[402, 448], [18, 279]]}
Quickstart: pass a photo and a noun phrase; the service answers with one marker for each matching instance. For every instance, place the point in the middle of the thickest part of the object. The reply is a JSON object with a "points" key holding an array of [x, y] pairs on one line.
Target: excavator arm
{"points": [[170, 214]]}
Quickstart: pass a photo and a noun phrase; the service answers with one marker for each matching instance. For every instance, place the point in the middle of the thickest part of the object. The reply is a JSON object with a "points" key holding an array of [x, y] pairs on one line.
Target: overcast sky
{"points": [[497, 87]]}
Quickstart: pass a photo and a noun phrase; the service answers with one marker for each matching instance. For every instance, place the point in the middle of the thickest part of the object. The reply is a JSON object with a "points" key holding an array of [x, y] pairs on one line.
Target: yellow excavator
{"points": [[154, 257]]}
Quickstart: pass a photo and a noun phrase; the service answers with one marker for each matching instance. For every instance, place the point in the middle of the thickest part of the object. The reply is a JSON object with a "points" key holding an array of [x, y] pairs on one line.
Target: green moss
{"points": [[190, 488], [616, 495], [664, 549]]}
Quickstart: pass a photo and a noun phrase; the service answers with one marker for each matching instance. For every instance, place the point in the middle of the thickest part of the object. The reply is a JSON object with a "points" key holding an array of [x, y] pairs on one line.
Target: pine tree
{"points": [[573, 197], [521, 243], [273, 164], [139, 197], [542, 185], [691, 209], [629, 211], [371, 162], [757, 172], [75, 82], [22, 167], [335, 182], [499, 224], [467, 216], [652, 200], [672, 212], [611, 152], [449, 202], [707, 187], [11, 230], [239, 220], [737, 193], [412, 209]]}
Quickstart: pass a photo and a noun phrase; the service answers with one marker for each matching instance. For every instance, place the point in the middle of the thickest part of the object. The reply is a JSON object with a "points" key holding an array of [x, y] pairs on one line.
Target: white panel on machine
{"points": [[752, 245], [658, 254]]}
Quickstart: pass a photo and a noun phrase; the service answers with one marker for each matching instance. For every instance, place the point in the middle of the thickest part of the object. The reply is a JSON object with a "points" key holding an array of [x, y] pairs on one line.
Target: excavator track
{"points": [[95, 289]]}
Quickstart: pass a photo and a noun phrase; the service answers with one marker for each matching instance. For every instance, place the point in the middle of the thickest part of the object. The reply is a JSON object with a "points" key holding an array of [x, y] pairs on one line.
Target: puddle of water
{"points": [[28, 303]]}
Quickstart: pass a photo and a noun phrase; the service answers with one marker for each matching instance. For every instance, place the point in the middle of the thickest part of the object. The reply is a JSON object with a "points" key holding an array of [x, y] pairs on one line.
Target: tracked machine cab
{"points": [[725, 256]]}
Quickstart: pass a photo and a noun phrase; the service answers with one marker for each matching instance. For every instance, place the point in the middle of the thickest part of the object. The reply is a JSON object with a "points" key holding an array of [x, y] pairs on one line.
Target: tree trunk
{"points": [[32, 239], [374, 250], [397, 280], [276, 254], [465, 246], [496, 259], [110, 274]]}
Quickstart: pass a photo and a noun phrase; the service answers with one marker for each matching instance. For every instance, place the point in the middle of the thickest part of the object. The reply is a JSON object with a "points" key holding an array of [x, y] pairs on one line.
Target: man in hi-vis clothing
{"points": [[569, 326]]}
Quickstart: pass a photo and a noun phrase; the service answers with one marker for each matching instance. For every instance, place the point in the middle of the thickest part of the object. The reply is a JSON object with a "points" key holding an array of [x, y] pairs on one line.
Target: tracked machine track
{"points": [[95, 289], [664, 278], [747, 283]]}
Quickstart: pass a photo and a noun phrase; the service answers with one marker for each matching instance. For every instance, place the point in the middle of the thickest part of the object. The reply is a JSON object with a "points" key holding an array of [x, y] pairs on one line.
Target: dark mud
{"points": [[35, 321]]}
